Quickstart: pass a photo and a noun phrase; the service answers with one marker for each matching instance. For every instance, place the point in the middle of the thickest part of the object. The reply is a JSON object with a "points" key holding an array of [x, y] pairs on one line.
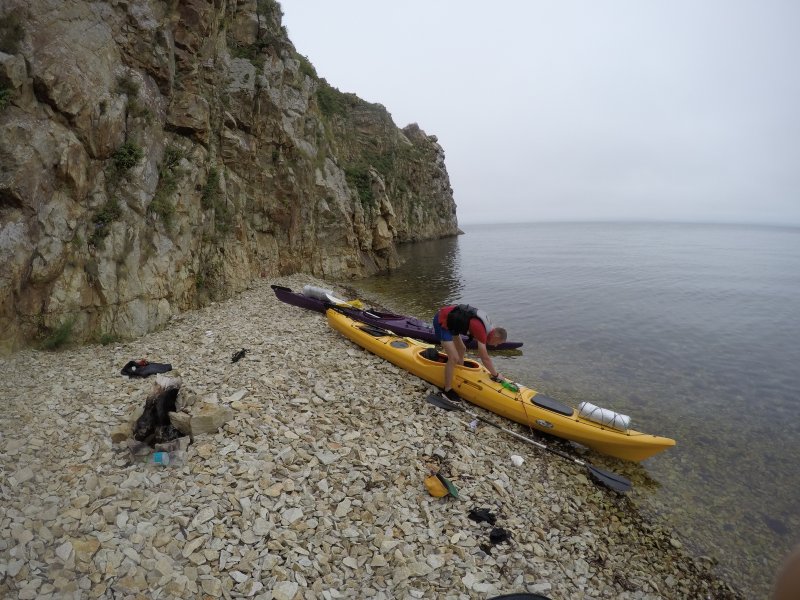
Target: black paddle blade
{"points": [[611, 480], [442, 402]]}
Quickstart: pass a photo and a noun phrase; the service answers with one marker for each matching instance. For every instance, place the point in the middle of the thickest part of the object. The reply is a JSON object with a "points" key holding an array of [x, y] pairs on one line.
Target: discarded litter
{"points": [[482, 515], [144, 368], [499, 535], [176, 457], [438, 486]]}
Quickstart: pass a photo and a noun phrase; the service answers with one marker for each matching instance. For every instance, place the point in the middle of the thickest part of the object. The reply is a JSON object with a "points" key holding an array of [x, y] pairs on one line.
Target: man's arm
{"points": [[486, 359]]}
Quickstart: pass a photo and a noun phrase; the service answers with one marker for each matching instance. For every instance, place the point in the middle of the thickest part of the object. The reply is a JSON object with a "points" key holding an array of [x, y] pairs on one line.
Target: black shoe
{"points": [[451, 395]]}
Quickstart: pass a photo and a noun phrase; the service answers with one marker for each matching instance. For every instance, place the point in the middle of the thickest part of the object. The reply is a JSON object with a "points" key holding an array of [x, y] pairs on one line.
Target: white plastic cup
{"points": [[517, 460]]}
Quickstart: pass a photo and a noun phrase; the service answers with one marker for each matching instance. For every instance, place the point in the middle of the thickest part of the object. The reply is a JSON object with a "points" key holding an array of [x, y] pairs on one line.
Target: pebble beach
{"points": [[313, 489]]}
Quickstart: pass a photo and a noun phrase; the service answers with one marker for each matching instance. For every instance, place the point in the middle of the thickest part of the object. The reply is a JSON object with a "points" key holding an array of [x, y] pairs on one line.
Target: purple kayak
{"points": [[397, 324]]}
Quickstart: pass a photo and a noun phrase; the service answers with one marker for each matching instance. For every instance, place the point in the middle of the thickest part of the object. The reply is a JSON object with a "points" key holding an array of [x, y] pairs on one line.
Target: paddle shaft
{"points": [[608, 478], [577, 461]]}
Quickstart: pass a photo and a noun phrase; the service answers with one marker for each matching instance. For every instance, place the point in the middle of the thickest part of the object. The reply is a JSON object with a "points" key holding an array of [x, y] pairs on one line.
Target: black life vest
{"points": [[458, 319]]}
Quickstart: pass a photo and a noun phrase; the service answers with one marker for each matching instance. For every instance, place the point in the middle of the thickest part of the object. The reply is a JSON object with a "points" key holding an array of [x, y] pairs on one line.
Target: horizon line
{"points": [[792, 225]]}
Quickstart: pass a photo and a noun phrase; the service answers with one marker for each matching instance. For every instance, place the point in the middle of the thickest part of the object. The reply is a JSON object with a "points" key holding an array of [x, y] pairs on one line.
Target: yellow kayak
{"points": [[474, 383]]}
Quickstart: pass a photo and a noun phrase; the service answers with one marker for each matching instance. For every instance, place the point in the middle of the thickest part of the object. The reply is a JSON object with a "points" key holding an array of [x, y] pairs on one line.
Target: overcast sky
{"points": [[682, 110]]}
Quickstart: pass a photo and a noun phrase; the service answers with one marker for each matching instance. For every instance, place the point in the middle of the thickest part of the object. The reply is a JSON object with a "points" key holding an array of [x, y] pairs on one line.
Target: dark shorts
{"points": [[441, 333]]}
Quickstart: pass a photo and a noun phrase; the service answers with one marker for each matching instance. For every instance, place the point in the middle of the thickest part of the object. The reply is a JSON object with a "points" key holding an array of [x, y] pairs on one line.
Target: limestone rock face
{"points": [[158, 155]]}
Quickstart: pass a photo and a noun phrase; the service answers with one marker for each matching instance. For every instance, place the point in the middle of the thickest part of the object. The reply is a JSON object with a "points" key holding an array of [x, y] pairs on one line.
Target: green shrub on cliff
{"points": [[265, 7], [358, 178], [223, 217], [163, 208], [168, 173], [383, 163], [127, 85], [11, 33], [58, 336], [109, 213], [330, 100], [108, 338], [5, 97], [306, 68], [127, 155], [210, 195], [212, 198]]}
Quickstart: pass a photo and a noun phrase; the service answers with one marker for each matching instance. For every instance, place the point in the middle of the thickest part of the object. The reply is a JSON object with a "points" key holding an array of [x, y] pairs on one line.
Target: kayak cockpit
{"points": [[433, 355], [374, 331]]}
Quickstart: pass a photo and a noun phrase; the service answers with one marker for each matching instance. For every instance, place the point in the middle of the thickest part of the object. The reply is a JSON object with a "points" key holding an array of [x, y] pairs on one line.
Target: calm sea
{"points": [[692, 330]]}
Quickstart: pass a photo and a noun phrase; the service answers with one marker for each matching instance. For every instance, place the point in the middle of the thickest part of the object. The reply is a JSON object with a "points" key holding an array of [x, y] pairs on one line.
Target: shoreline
{"points": [[314, 489]]}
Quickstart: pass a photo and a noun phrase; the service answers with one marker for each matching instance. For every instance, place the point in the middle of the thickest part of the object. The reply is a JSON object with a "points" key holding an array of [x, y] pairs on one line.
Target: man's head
{"points": [[496, 336]]}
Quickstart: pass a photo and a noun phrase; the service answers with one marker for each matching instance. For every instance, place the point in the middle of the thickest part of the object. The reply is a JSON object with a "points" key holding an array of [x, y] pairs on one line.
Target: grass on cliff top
{"points": [[306, 68], [333, 102]]}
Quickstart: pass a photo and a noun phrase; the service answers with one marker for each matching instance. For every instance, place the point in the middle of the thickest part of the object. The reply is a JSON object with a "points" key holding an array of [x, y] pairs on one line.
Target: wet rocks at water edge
{"points": [[313, 488]]}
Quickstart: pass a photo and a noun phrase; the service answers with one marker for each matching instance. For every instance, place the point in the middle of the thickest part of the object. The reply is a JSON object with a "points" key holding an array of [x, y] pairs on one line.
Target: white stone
{"points": [[204, 515], [328, 458], [23, 475], [343, 508], [284, 590], [261, 526], [64, 551], [238, 576], [190, 547], [252, 587], [291, 515], [237, 396]]}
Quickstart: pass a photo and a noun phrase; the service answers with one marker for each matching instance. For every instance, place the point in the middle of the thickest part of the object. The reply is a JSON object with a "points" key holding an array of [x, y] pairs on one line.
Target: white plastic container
{"points": [[313, 291], [319, 293], [604, 416]]}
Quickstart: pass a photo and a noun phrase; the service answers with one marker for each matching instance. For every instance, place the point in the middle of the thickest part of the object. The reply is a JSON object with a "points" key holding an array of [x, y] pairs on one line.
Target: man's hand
{"points": [[509, 385]]}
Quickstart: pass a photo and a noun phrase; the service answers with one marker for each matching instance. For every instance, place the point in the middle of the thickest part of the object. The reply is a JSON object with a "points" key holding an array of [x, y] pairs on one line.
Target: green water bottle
{"points": [[509, 385]]}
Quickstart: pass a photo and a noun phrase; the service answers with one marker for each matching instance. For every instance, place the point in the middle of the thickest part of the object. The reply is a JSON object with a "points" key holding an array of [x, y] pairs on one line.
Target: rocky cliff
{"points": [[158, 154]]}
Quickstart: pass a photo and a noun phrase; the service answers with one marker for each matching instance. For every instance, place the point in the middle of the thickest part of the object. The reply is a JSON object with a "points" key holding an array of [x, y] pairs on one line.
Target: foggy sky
{"points": [[566, 110]]}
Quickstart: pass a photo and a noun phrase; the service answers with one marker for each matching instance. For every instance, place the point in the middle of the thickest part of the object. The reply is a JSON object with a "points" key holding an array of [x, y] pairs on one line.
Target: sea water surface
{"points": [[692, 330]]}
